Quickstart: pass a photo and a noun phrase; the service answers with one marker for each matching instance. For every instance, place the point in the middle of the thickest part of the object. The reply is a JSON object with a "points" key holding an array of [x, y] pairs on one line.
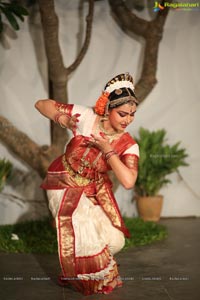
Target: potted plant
{"points": [[157, 160]]}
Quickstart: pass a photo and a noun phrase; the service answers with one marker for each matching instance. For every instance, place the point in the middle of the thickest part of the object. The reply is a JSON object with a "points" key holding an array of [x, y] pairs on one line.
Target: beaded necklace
{"points": [[111, 135]]}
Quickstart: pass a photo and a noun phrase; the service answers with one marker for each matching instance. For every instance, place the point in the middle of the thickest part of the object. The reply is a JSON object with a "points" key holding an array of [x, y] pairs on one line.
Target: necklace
{"points": [[104, 130], [111, 135]]}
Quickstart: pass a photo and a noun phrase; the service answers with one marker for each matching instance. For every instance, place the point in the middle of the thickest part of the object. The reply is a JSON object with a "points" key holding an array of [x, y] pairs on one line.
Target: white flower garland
{"points": [[119, 84]]}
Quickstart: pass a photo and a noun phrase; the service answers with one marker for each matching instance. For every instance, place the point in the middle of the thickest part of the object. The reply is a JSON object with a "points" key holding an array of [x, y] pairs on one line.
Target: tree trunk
{"points": [[58, 73], [18, 142]]}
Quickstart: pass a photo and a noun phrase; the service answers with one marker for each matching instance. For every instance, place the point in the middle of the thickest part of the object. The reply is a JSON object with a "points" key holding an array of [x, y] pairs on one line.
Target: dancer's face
{"points": [[121, 116]]}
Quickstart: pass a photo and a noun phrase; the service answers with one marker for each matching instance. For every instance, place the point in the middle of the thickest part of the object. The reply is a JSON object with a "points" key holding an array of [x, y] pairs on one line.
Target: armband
{"points": [[131, 161], [64, 108]]}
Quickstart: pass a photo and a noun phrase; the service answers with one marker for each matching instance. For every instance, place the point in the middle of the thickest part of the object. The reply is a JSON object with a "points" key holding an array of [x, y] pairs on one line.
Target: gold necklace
{"points": [[105, 131], [111, 136]]}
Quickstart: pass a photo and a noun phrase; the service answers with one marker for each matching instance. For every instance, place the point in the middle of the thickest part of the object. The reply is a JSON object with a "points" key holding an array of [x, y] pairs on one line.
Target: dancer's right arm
{"points": [[49, 109]]}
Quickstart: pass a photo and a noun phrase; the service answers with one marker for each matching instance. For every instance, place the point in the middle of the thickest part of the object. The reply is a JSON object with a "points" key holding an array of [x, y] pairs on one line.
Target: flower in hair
{"points": [[101, 103]]}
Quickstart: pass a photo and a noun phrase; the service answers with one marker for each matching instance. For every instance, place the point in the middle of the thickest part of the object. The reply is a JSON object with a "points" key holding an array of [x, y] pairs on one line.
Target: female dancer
{"points": [[90, 229]]}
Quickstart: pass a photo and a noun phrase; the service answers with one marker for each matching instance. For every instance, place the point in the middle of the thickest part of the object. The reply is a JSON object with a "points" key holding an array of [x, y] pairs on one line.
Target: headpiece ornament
{"points": [[116, 84], [121, 81]]}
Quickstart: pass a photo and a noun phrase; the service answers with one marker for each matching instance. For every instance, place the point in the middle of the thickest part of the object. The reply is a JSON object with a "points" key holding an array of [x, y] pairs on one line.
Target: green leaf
{"points": [[10, 17], [19, 16], [18, 9], [157, 160]]}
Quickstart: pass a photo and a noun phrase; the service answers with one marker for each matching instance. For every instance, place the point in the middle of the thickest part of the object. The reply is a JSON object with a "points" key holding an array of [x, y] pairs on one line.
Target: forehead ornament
{"points": [[118, 91]]}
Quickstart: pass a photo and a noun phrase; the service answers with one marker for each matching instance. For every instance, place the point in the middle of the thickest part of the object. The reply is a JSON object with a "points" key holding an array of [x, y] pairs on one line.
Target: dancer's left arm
{"points": [[126, 170]]}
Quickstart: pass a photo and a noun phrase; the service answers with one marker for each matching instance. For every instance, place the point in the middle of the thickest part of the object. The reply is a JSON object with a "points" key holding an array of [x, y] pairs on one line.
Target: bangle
{"points": [[57, 117], [109, 154]]}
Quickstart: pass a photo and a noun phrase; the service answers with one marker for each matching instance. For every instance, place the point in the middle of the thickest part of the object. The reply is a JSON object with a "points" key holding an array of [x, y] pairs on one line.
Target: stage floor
{"points": [[166, 270]]}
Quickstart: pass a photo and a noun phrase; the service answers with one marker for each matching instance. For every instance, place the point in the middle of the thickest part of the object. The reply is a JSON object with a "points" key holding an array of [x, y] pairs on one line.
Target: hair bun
{"points": [[124, 80]]}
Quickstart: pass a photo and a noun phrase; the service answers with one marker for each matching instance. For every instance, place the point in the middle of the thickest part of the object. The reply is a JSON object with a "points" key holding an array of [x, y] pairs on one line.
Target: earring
{"points": [[104, 118], [106, 113]]}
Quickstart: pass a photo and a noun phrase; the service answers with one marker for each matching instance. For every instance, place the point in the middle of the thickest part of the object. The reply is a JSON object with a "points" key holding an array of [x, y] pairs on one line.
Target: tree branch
{"points": [[127, 20], [86, 43], [28, 151], [152, 32], [50, 26]]}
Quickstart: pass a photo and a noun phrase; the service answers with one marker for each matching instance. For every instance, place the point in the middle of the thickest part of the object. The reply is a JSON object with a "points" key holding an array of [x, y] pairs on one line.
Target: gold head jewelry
{"points": [[124, 80]]}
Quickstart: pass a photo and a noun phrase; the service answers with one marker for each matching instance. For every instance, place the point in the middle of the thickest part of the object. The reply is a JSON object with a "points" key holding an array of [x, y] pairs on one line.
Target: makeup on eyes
{"points": [[124, 114]]}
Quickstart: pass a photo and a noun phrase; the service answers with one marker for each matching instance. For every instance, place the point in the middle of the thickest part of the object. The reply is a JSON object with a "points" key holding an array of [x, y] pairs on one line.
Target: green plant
{"points": [[13, 12], [39, 236], [5, 172], [157, 160], [34, 237], [144, 232]]}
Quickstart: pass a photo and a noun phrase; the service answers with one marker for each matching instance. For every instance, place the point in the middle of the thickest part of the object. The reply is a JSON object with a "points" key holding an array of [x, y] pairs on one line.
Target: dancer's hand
{"points": [[70, 122], [101, 142]]}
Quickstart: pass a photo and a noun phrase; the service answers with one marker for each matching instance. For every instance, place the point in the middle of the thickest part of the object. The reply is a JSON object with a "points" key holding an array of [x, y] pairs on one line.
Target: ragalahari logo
{"points": [[158, 6], [176, 5]]}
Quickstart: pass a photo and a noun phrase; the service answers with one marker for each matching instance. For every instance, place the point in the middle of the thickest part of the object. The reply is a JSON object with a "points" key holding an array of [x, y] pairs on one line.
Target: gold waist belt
{"points": [[79, 180]]}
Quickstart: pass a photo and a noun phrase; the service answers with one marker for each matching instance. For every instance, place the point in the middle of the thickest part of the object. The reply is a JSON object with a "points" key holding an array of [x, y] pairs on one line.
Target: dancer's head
{"points": [[118, 101]]}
